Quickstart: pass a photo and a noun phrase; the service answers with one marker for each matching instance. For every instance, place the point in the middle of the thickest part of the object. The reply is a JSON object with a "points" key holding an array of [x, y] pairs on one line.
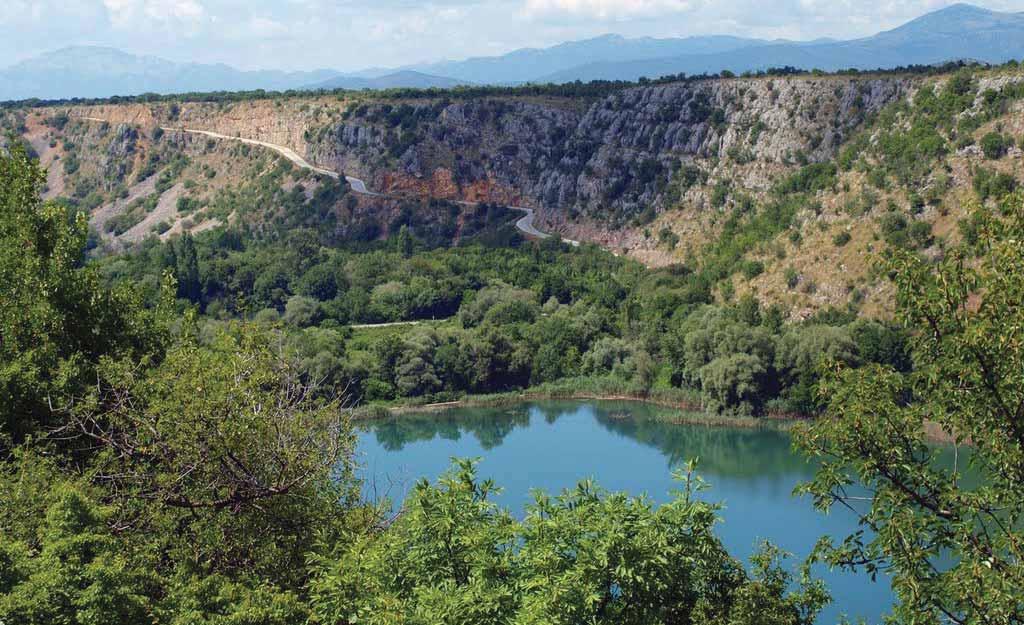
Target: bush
{"points": [[894, 230], [720, 194], [301, 311], [841, 239], [187, 205], [994, 145], [993, 184], [921, 233], [792, 277], [810, 179], [668, 238], [752, 269]]}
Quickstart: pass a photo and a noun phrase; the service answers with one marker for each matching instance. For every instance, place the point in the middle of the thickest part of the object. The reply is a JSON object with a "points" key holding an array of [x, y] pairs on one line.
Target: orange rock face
{"points": [[442, 185]]}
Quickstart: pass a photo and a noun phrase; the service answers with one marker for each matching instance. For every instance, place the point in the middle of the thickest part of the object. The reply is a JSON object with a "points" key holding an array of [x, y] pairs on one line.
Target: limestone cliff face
{"points": [[612, 159], [596, 166], [279, 121]]}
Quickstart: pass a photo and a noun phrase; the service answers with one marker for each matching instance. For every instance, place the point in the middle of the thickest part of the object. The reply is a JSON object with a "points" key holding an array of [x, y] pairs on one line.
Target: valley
{"points": [[661, 173], [355, 350]]}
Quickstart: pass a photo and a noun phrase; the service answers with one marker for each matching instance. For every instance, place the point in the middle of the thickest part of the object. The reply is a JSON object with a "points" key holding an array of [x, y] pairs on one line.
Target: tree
{"points": [[732, 383], [802, 351], [56, 319], [301, 311], [187, 271], [405, 242], [78, 575], [952, 546], [225, 443], [585, 556], [994, 145]]}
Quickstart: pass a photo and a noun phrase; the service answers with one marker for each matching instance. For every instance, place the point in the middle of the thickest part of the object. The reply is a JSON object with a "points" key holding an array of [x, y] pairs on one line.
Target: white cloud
{"points": [[606, 9], [136, 13]]}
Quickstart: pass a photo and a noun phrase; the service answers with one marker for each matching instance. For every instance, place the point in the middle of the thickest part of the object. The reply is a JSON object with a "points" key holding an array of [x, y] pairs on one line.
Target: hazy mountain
{"points": [[957, 32], [403, 78], [91, 72], [528, 64]]}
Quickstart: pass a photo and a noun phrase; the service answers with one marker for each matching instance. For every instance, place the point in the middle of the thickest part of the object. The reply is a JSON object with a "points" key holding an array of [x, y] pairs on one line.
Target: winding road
{"points": [[524, 224]]}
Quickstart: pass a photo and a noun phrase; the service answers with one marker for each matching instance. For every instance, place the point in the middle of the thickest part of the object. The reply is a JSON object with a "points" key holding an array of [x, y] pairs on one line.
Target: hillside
{"points": [[783, 187]]}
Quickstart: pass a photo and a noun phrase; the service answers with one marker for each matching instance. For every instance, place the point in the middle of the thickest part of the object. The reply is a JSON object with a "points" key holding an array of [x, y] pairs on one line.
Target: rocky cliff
{"points": [[613, 160], [681, 173], [589, 164]]}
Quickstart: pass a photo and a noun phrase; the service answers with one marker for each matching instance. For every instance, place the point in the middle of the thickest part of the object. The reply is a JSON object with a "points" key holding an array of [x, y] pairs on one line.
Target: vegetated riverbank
{"points": [[684, 404]]}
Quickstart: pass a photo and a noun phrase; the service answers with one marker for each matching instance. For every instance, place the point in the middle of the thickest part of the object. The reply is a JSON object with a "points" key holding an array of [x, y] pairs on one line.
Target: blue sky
{"points": [[354, 34]]}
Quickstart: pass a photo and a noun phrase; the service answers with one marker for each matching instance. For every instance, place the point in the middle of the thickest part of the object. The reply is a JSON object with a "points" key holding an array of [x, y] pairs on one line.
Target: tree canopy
{"points": [[953, 545]]}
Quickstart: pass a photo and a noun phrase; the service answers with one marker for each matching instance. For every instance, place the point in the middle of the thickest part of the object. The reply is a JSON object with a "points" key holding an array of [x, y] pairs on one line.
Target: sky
{"points": [[354, 34]]}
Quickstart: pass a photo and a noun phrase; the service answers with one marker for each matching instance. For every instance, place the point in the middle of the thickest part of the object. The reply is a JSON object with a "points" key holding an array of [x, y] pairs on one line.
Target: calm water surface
{"points": [[552, 445]]}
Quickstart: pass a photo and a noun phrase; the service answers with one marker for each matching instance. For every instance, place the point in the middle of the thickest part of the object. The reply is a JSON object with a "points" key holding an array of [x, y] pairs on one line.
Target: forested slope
{"points": [[782, 186]]}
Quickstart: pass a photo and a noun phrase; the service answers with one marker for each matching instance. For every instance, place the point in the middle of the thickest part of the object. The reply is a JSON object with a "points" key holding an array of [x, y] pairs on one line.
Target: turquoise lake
{"points": [[624, 447]]}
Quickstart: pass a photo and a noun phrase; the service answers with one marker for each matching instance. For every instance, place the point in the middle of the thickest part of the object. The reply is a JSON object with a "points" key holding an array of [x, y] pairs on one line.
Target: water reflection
{"points": [[630, 447], [722, 450], [489, 426], [625, 447]]}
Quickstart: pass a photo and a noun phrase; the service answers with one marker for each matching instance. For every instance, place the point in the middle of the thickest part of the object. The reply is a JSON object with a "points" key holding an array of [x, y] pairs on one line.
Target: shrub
{"points": [[810, 179], [792, 277], [894, 230], [752, 269], [668, 238], [720, 194], [187, 205], [921, 233], [994, 145], [841, 239], [992, 184]]}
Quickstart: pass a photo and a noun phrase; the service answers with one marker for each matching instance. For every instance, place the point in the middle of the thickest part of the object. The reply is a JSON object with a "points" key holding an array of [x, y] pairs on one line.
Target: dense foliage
{"points": [[952, 545], [175, 447], [584, 556], [157, 471], [497, 319], [56, 316]]}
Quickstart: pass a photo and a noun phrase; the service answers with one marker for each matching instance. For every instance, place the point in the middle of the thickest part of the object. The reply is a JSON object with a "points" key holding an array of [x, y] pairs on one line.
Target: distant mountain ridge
{"points": [[957, 32], [960, 31], [402, 78], [97, 72], [528, 64]]}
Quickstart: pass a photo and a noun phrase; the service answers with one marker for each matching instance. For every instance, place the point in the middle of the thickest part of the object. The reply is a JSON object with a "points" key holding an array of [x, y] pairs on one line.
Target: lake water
{"points": [[624, 447]]}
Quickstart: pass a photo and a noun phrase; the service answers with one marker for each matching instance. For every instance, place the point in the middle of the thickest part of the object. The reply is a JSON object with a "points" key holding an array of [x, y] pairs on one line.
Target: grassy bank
{"points": [[683, 405]]}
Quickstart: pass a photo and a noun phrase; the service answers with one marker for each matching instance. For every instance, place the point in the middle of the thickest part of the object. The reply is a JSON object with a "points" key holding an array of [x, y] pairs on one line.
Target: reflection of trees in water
{"points": [[490, 426], [722, 450]]}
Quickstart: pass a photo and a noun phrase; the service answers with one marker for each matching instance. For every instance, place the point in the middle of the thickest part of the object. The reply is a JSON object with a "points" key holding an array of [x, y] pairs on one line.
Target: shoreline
{"points": [[690, 413]]}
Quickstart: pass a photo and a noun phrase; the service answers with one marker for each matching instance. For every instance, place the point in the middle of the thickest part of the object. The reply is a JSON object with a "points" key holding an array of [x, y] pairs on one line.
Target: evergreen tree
{"points": [[189, 286]]}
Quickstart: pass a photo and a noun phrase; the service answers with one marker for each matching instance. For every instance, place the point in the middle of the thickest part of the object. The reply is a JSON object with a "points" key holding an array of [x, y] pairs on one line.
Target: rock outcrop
{"points": [[614, 158]]}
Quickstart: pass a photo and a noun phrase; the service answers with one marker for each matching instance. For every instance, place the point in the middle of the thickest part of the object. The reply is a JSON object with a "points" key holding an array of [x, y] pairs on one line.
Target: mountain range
{"points": [[957, 32], [97, 72], [402, 78]]}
